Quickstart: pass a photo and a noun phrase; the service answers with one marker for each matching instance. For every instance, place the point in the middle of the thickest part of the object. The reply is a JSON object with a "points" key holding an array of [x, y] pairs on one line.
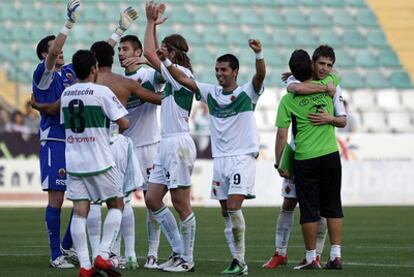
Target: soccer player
{"points": [[92, 175], [317, 164], [174, 160], [322, 60], [143, 116], [124, 89], [49, 80], [235, 141]]}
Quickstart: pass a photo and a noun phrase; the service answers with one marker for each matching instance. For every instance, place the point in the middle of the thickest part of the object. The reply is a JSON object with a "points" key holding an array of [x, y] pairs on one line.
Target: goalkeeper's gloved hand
{"points": [[126, 18], [71, 8]]}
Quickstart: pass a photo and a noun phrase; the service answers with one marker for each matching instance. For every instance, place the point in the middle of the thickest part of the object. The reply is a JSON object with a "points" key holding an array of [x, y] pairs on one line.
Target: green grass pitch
{"points": [[378, 241]]}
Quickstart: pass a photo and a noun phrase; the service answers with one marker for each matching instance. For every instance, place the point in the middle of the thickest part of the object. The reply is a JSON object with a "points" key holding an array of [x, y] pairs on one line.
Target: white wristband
{"points": [[259, 56], [115, 37], [65, 30], [167, 63]]}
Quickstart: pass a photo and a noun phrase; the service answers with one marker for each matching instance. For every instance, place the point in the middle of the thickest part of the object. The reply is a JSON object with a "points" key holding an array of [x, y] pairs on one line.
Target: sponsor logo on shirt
{"points": [[72, 139]]}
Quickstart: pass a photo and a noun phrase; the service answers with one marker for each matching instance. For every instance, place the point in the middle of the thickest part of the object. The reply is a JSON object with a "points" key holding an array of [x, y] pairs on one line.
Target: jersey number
{"points": [[236, 179], [76, 119]]}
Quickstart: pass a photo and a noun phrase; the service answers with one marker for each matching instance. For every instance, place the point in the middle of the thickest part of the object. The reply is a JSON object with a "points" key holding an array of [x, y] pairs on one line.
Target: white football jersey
{"points": [[233, 125], [86, 109], [143, 122], [176, 103]]}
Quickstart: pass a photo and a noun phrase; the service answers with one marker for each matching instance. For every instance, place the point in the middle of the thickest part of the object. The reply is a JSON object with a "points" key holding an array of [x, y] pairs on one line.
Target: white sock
{"points": [[321, 236], [110, 231], [187, 231], [116, 249], [228, 234], [128, 230], [154, 232], [283, 229], [78, 232], [93, 224], [239, 229], [168, 225], [310, 255], [335, 252]]}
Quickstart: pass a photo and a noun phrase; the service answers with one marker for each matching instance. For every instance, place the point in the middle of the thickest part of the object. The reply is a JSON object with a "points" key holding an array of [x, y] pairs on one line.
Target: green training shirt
{"points": [[311, 141]]}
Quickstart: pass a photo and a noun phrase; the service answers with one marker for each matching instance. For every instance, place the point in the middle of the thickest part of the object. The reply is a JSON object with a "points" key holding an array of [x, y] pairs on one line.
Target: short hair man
{"points": [[85, 108], [316, 148]]}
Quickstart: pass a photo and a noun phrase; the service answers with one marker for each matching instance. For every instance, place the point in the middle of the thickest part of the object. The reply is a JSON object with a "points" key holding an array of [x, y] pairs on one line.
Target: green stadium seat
{"points": [[400, 79], [304, 38], [182, 16], [204, 16], [389, 59], [309, 3], [234, 36], [354, 38], [287, 3], [226, 16], [376, 80], [319, 18], [20, 33], [81, 34], [367, 18], [343, 18], [190, 35], [352, 80], [6, 52], [91, 13], [246, 56], [212, 36], [247, 16], [4, 33], [8, 11], [377, 38], [100, 32], [260, 34], [26, 53], [200, 55], [29, 12], [294, 17], [330, 37], [365, 58], [344, 59], [281, 37], [275, 58], [355, 3], [273, 17], [333, 3], [50, 12]]}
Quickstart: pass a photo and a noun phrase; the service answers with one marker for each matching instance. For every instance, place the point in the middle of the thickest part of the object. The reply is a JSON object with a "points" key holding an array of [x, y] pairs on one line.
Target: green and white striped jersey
{"points": [[86, 109], [175, 104], [143, 122], [233, 125]]}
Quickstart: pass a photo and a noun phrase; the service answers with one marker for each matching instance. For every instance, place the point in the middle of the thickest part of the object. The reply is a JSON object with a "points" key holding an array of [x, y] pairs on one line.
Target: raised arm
{"points": [[304, 88], [126, 18], [144, 94], [177, 74], [258, 78], [149, 40], [57, 46]]}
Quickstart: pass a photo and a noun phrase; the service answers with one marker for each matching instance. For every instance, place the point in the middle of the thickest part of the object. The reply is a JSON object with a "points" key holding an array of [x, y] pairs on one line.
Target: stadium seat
{"points": [[407, 98], [366, 18], [260, 34], [275, 58], [400, 79], [304, 38], [182, 16], [29, 12], [375, 79], [364, 100], [333, 3], [319, 18], [309, 3], [9, 11], [377, 38], [351, 79], [249, 17], [374, 122], [389, 100], [205, 16], [234, 36], [400, 122], [50, 12], [26, 53], [343, 18], [226, 16], [365, 58], [211, 35], [273, 17], [355, 3], [388, 58], [281, 37], [295, 18], [91, 13], [330, 37], [21, 33], [353, 38]]}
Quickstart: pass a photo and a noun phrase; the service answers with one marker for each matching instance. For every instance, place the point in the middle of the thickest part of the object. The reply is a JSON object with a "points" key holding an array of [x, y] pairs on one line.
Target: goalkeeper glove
{"points": [[126, 18], [71, 8]]}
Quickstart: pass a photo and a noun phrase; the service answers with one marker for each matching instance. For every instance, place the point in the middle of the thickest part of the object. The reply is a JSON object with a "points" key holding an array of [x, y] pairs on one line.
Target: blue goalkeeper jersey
{"points": [[47, 88]]}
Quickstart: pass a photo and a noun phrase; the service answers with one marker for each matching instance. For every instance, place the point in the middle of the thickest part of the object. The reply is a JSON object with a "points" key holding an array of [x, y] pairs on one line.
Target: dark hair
{"points": [[83, 61], [324, 51], [135, 42], [178, 44], [300, 65], [43, 47], [231, 59], [104, 53]]}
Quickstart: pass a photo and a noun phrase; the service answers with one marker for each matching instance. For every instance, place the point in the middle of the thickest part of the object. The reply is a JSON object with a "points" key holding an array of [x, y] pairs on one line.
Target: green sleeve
{"points": [[284, 115]]}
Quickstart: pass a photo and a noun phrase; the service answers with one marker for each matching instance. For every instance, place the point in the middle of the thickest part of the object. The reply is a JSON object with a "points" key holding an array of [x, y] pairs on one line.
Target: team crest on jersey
{"points": [[288, 189], [216, 183], [61, 172], [232, 98]]}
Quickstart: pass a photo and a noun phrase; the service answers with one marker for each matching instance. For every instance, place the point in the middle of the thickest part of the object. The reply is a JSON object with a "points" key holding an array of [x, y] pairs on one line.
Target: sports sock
{"points": [[154, 232], [52, 217], [78, 230], [335, 252], [67, 238], [93, 224], [187, 231], [321, 236], [168, 225], [228, 234], [116, 249], [310, 255], [128, 230], [239, 228], [110, 231], [283, 229]]}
